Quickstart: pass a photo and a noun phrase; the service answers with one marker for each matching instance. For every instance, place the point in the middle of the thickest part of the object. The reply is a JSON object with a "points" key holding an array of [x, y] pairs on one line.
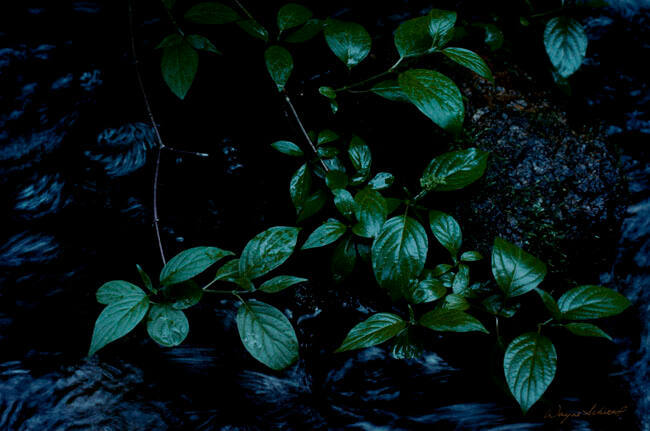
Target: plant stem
{"points": [[173, 20], [227, 292], [152, 120], [372, 78], [243, 9], [302, 128]]}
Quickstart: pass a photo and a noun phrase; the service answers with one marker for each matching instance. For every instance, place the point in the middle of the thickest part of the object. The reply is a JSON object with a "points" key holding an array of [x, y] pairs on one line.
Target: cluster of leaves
{"points": [[387, 233], [265, 332], [398, 255]]}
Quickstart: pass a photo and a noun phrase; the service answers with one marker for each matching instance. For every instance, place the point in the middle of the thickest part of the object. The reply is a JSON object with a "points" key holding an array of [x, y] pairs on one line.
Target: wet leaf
{"points": [[436, 96], [267, 334], [381, 181], [190, 263], [167, 326], [428, 290], [343, 259], [325, 234], [515, 271], [446, 230], [267, 250], [412, 37], [451, 320], [279, 283], [288, 148], [399, 253], [299, 186], [360, 155], [326, 136], [349, 41], [336, 180], [371, 212], [312, 205], [566, 44], [279, 65], [591, 302], [292, 15], [549, 303], [118, 319], [529, 365], [201, 43], [306, 32], [441, 26], [390, 90], [471, 256], [470, 60], [375, 330], [255, 29], [179, 64], [344, 202], [587, 330], [454, 170], [118, 290]]}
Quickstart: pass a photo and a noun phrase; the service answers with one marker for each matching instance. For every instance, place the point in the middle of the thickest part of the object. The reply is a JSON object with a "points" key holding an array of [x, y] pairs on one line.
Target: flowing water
{"points": [[75, 177]]}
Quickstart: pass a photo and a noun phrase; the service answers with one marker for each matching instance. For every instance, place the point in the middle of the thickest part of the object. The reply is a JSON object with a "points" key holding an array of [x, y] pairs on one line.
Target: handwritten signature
{"points": [[593, 411]]}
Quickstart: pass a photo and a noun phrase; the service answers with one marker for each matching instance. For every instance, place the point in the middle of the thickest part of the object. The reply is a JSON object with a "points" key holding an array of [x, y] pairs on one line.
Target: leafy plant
{"points": [[365, 217], [265, 332]]}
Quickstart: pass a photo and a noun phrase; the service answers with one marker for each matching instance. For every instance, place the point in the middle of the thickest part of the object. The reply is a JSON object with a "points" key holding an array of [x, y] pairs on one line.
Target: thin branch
{"points": [[304, 132], [152, 120], [372, 78]]}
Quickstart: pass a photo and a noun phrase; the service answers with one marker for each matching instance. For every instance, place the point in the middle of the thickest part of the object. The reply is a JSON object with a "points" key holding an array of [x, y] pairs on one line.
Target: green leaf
{"points": [[299, 186], [343, 259], [326, 136], [166, 325], [211, 13], [375, 330], [390, 90], [412, 37], [457, 302], [145, 279], [288, 148], [306, 32], [371, 212], [460, 284], [566, 44], [495, 304], [399, 253], [328, 152], [118, 290], [327, 92], [267, 250], [360, 155], [454, 170], [586, 330], [441, 26], [591, 302], [428, 290], [312, 205], [336, 179], [292, 15], [451, 320], [441, 269], [446, 230], [190, 263], [184, 295], [201, 43], [267, 334], [344, 202], [529, 365], [279, 65], [515, 271], [230, 272], [406, 346], [381, 181], [471, 256], [349, 41], [170, 40], [279, 283], [549, 303], [254, 28], [118, 319], [325, 234], [436, 96], [178, 65], [470, 60]]}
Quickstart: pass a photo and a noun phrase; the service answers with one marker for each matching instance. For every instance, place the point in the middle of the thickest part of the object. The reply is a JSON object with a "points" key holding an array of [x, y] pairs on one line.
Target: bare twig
{"points": [[152, 120], [304, 132]]}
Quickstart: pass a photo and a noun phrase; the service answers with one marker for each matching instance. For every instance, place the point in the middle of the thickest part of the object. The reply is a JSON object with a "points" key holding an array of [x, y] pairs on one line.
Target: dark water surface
{"points": [[75, 179]]}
